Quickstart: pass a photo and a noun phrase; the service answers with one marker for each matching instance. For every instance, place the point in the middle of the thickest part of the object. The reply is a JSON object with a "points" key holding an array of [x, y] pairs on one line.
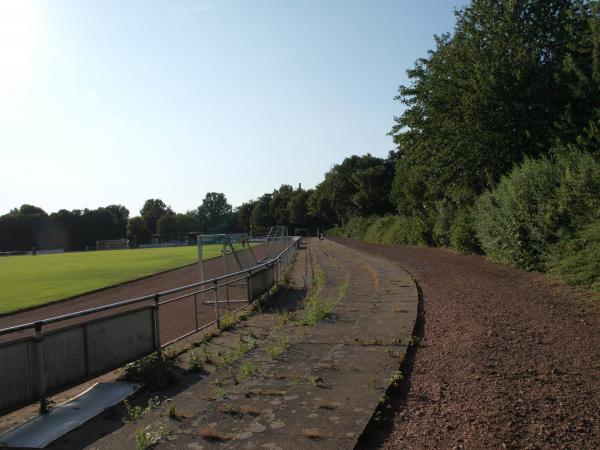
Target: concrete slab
{"points": [[45, 429], [322, 390]]}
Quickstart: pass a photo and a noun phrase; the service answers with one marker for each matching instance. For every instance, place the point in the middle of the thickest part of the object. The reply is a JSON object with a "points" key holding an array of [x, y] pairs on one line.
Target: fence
{"points": [[54, 354]]}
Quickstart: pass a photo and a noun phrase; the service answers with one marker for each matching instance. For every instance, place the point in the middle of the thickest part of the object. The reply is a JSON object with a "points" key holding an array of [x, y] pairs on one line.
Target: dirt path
{"points": [[508, 359]]}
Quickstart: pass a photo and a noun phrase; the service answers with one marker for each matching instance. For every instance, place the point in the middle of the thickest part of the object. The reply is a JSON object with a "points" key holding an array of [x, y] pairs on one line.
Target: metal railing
{"points": [[149, 322]]}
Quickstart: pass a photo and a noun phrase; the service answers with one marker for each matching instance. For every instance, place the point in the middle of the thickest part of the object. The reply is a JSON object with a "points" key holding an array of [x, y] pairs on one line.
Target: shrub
{"points": [[356, 227], [407, 231], [539, 203], [462, 235], [374, 233], [576, 261], [442, 219]]}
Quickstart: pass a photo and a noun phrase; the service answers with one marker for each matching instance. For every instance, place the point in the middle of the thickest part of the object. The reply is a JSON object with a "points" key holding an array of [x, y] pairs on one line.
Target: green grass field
{"points": [[27, 281]]}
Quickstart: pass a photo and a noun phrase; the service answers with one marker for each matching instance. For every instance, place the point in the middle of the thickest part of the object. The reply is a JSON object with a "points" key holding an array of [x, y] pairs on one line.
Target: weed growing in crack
{"points": [[136, 412], [245, 371], [278, 349], [396, 378], [148, 436], [153, 371], [172, 412], [220, 393], [195, 362]]}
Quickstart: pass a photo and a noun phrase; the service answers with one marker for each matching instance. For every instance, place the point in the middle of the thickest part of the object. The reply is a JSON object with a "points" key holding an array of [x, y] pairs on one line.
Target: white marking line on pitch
{"points": [[45, 429]]}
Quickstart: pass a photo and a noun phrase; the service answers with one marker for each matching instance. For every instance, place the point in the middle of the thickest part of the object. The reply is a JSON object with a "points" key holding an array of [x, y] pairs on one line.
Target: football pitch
{"points": [[27, 281]]}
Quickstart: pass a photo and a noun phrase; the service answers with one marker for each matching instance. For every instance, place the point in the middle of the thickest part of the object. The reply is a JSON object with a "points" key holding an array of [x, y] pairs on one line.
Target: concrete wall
{"points": [[262, 281], [15, 383], [71, 355]]}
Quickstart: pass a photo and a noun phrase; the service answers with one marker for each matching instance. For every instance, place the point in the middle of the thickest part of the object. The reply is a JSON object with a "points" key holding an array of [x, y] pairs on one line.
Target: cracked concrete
{"points": [[322, 390]]}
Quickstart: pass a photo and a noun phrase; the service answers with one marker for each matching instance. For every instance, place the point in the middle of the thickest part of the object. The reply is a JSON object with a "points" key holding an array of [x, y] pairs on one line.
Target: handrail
{"points": [[61, 318]]}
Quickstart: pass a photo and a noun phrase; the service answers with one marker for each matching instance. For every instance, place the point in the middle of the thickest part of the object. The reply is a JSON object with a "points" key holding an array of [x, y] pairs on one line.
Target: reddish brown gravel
{"points": [[508, 359]]}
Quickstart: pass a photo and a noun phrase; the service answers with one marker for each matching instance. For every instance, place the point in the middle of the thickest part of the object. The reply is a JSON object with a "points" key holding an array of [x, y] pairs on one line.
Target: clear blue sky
{"points": [[118, 101]]}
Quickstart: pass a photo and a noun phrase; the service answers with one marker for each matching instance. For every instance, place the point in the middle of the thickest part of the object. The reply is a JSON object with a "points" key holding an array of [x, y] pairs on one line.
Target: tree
{"points": [[279, 204], [297, 209], [244, 214], [71, 223], [186, 223], [167, 227], [98, 224], [122, 216], [261, 218], [22, 228], [137, 231], [489, 95], [359, 186], [214, 213], [30, 210], [153, 210]]}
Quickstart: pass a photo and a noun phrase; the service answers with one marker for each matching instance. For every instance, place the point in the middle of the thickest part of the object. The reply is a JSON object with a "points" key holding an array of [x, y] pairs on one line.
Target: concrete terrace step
{"points": [[322, 391]]}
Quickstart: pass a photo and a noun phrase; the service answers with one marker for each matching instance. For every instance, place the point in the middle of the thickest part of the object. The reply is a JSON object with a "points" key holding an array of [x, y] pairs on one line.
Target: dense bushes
{"points": [[538, 205], [577, 260], [386, 230], [544, 215]]}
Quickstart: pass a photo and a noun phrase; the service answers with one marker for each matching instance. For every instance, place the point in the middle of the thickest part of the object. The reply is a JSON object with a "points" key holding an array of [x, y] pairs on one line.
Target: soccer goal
{"points": [[234, 253], [112, 244], [225, 254]]}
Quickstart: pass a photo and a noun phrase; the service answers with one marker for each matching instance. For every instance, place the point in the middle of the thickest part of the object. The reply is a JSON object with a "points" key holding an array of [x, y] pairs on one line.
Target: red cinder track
{"points": [[508, 359], [175, 318]]}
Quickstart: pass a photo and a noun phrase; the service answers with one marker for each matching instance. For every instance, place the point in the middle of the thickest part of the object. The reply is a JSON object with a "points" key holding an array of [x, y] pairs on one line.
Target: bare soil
{"points": [[507, 359]]}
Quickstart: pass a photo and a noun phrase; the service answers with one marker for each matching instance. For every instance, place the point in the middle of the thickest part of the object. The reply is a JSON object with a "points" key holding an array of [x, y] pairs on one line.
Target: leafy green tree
{"points": [[297, 209], [214, 213], [359, 186], [489, 95], [137, 231], [71, 223], [261, 218], [187, 223], [153, 210], [166, 227], [98, 224], [278, 205], [244, 214], [122, 216]]}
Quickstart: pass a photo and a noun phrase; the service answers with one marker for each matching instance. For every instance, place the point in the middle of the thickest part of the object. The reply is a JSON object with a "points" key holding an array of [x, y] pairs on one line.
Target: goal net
{"points": [[112, 244]]}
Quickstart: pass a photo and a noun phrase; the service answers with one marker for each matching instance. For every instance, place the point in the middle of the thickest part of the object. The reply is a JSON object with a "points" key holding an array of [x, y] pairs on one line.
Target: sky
{"points": [[117, 101]]}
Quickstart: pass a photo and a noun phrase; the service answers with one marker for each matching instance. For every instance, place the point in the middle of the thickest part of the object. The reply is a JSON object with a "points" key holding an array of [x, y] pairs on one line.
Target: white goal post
{"points": [[112, 244]]}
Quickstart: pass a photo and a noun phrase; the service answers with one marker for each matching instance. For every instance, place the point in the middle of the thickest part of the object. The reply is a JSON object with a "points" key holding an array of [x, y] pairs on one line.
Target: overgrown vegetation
{"points": [[498, 147], [278, 348], [153, 371], [134, 413], [539, 205], [315, 307], [245, 371]]}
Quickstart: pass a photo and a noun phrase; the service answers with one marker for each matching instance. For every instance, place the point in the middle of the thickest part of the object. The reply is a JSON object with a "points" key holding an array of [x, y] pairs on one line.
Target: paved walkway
{"points": [[323, 389]]}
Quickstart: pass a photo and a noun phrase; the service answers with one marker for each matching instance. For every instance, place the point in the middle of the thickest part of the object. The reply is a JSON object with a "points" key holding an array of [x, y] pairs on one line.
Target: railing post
{"points": [[249, 285], [196, 309], [40, 382], [216, 288], [155, 310]]}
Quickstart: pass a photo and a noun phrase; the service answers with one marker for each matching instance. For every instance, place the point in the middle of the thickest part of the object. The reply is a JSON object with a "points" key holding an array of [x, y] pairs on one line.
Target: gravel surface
{"points": [[508, 359]]}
